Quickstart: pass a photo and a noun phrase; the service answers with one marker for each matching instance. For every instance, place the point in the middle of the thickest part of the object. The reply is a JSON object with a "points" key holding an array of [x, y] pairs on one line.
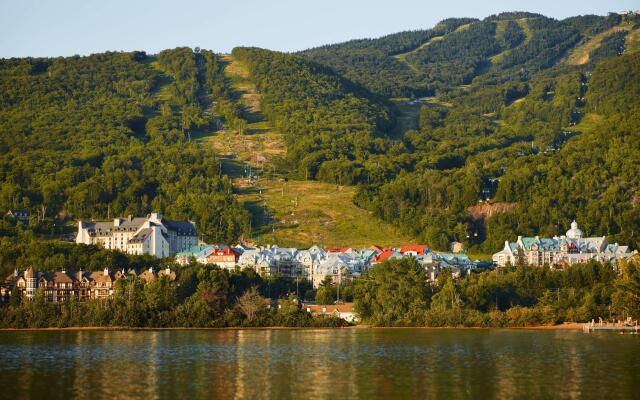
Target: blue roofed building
{"points": [[198, 252], [560, 251]]}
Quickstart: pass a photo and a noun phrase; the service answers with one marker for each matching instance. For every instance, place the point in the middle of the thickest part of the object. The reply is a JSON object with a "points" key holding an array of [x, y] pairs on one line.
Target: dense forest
{"points": [[91, 137], [374, 63], [503, 47], [395, 293], [549, 138], [331, 125], [532, 116]]}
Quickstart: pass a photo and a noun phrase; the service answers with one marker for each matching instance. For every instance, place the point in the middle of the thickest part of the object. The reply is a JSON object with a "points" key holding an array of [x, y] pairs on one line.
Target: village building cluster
{"points": [[317, 264], [160, 237], [561, 251], [81, 285]]}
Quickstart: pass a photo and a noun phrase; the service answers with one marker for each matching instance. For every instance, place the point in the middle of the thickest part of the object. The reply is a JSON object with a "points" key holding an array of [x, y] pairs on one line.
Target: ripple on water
{"points": [[356, 363]]}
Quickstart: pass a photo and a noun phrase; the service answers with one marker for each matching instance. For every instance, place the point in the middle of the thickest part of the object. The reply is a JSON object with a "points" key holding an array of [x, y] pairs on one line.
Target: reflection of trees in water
{"points": [[322, 363]]}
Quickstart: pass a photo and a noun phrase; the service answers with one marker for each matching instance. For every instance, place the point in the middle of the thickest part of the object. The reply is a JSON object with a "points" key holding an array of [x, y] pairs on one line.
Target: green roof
{"points": [[193, 250]]}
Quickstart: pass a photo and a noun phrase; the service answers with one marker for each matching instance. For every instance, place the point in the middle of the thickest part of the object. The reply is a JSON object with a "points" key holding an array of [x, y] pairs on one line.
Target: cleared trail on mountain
{"points": [[524, 25], [580, 55], [402, 57], [288, 212], [259, 143]]}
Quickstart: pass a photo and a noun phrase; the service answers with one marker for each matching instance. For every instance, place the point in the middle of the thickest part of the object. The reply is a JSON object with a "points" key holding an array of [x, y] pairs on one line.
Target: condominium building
{"points": [[61, 286], [154, 235], [568, 249]]}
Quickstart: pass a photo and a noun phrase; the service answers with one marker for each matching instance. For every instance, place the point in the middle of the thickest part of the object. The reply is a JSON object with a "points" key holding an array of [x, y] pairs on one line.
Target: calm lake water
{"points": [[319, 364]]}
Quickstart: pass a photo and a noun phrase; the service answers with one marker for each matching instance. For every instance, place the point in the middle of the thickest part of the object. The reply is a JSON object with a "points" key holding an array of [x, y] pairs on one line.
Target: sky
{"points": [[68, 27]]}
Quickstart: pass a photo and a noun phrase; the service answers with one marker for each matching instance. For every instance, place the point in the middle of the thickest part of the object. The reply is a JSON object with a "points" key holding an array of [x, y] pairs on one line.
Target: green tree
{"points": [[252, 304], [393, 293]]}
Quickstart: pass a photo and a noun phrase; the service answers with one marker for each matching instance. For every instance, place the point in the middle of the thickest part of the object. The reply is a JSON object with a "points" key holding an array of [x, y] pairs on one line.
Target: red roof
{"points": [[336, 249], [377, 248], [383, 256], [419, 249], [227, 251]]}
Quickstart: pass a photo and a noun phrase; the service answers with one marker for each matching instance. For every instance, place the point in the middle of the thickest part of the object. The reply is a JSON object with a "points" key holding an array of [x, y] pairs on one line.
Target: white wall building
{"points": [[314, 264], [154, 235], [568, 249], [272, 261]]}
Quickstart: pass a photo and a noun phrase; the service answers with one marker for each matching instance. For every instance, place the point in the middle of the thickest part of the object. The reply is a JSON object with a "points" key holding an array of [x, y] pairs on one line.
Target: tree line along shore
{"points": [[392, 293]]}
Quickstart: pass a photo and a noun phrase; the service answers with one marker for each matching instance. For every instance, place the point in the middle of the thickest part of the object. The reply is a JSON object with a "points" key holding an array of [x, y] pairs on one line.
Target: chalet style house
{"points": [[568, 249], [62, 286], [154, 235], [18, 215]]}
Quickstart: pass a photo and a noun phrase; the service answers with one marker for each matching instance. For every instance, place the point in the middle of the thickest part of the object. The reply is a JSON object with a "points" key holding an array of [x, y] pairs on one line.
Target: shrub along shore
{"points": [[568, 326], [397, 294]]}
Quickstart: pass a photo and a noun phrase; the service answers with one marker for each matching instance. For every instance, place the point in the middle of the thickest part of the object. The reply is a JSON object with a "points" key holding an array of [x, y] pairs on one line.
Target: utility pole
{"points": [[339, 280]]}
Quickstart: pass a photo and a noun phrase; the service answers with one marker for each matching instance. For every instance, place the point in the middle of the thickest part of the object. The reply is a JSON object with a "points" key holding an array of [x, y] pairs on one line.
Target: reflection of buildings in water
{"points": [[254, 363], [116, 364], [538, 369], [509, 368], [485, 376], [82, 369], [327, 363], [221, 369], [319, 374], [571, 371], [283, 363], [240, 374], [26, 377], [318, 364], [153, 363], [341, 369], [137, 356], [350, 340], [414, 364], [446, 364]]}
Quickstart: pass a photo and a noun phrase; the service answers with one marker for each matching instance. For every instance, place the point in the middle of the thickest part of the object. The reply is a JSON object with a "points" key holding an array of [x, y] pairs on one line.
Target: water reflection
{"points": [[352, 363]]}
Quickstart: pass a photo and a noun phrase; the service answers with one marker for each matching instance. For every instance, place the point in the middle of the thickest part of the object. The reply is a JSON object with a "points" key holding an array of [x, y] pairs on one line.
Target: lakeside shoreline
{"points": [[573, 326]]}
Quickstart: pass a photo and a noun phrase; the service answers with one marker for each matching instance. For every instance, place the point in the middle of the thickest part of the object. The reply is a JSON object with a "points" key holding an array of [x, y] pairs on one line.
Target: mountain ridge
{"points": [[493, 111]]}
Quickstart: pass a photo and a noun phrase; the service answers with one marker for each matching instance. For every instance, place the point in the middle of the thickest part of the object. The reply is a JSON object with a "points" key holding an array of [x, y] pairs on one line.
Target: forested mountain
{"points": [[544, 125], [375, 63], [90, 137], [458, 51], [331, 126], [530, 122], [557, 142]]}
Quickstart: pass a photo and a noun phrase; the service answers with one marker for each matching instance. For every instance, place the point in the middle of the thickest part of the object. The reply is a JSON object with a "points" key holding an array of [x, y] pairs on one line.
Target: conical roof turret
{"points": [[29, 273]]}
